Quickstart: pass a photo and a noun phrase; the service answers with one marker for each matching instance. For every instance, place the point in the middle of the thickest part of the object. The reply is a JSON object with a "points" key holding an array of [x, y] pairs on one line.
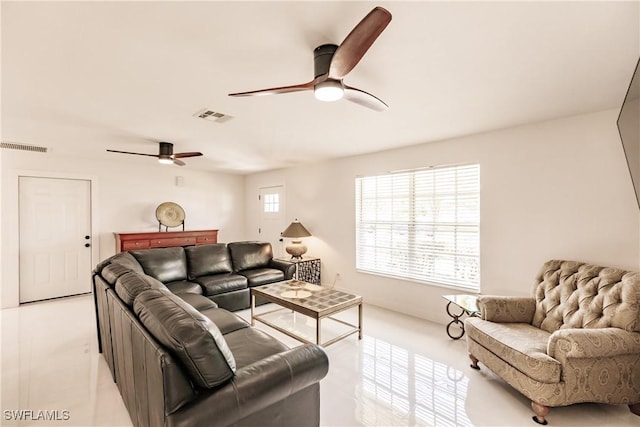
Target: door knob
{"points": [[86, 245]]}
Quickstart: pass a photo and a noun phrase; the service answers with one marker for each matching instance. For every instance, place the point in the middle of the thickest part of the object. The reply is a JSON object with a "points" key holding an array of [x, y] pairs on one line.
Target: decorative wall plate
{"points": [[170, 214]]}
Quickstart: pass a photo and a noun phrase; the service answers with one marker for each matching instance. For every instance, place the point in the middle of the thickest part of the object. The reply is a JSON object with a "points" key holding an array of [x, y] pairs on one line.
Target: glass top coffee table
{"points": [[317, 302]]}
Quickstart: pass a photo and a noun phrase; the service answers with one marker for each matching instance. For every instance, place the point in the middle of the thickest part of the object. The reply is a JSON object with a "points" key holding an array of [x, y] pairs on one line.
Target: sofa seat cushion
{"points": [[226, 321], [204, 260], [194, 339], [262, 276], [521, 345], [234, 300], [221, 283], [184, 287], [130, 285], [250, 345], [165, 264], [199, 302]]}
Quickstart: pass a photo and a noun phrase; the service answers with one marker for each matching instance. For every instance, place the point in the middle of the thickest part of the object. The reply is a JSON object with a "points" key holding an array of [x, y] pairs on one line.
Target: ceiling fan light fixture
{"points": [[166, 156], [328, 90]]}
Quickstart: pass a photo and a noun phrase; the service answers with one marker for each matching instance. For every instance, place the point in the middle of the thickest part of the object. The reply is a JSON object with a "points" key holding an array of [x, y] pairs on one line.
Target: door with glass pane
{"points": [[272, 218]]}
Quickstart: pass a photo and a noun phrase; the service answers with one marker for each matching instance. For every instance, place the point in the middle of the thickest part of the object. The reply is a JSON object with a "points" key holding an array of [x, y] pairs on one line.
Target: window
{"points": [[421, 225], [271, 203]]}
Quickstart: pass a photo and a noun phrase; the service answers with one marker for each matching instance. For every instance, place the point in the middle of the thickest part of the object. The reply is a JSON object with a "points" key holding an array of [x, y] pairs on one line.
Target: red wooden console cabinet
{"points": [[154, 239]]}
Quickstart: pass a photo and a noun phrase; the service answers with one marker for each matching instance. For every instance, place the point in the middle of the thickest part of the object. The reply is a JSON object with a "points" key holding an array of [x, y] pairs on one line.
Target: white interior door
{"points": [[55, 237], [272, 219]]}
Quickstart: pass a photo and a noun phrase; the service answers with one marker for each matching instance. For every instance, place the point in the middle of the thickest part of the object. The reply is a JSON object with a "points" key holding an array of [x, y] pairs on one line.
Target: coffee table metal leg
{"points": [[253, 305], [318, 332], [360, 321]]}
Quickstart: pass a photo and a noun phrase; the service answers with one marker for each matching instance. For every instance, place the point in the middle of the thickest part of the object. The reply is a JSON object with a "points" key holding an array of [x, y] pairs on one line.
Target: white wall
{"points": [[2, 239], [553, 190], [125, 198]]}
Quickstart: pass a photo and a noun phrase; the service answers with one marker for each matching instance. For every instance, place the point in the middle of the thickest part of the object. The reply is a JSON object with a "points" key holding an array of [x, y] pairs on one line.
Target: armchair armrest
{"points": [[504, 309], [257, 386], [288, 268], [580, 343]]}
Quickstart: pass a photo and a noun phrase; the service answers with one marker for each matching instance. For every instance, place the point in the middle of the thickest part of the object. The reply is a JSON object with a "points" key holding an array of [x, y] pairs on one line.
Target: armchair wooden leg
{"points": [[474, 362], [541, 412], [635, 409]]}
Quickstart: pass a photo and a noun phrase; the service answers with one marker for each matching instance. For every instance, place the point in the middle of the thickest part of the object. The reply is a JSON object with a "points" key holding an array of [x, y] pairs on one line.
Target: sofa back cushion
{"points": [[203, 260], [247, 255], [127, 260], [123, 259], [572, 294], [130, 285], [165, 264], [112, 272], [191, 337]]}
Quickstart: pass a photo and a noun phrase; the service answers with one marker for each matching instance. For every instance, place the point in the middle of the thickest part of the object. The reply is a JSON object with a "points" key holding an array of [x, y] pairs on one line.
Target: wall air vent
{"points": [[23, 147], [212, 116]]}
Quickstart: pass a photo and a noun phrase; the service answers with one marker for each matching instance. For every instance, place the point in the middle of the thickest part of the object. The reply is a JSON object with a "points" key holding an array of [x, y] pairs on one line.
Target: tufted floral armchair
{"points": [[576, 340]]}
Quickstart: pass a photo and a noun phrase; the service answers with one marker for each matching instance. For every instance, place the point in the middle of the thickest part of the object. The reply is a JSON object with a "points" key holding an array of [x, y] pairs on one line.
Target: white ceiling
{"points": [[80, 77]]}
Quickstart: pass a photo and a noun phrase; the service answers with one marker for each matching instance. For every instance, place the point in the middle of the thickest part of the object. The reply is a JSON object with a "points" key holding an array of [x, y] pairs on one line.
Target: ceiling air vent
{"points": [[212, 116], [23, 147]]}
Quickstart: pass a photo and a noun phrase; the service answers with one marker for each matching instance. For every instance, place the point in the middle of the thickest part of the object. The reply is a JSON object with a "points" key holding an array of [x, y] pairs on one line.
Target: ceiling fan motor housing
{"points": [[166, 150], [322, 58]]}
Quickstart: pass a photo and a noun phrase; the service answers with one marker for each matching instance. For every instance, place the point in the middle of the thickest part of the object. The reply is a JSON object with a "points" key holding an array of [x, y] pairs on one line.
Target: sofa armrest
{"points": [[580, 343], [506, 309], [288, 268], [255, 387]]}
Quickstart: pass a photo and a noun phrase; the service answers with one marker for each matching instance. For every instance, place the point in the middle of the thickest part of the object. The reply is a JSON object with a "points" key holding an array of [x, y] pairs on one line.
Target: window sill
{"points": [[424, 282]]}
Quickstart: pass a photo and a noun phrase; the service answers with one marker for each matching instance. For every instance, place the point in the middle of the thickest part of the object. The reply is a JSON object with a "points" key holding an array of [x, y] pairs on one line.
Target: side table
{"points": [[307, 269], [468, 304]]}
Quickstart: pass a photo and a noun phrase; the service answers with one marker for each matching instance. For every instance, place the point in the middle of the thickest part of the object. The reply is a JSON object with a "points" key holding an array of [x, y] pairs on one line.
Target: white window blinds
{"points": [[421, 225]]}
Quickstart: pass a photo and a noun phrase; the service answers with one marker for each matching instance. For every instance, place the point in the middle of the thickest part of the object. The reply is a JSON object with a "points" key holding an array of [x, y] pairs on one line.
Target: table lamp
{"points": [[296, 230]]}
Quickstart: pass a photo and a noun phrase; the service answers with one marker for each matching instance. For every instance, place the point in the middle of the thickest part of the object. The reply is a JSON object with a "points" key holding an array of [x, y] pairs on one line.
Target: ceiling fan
{"points": [[165, 155], [332, 63]]}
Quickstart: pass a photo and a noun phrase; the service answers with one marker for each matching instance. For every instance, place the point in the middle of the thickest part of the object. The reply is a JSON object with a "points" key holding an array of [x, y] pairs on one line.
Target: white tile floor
{"points": [[404, 372]]}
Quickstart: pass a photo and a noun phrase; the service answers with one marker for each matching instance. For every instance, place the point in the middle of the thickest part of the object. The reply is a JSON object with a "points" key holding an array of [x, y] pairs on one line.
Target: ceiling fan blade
{"points": [[189, 154], [166, 148], [364, 98], [275, 90], [137, 154], [283, 89], [359, 40]]}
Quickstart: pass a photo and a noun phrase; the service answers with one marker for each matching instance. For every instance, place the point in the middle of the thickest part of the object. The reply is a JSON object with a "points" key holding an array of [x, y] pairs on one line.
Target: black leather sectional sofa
{"points": [[180, 360], [221, 272]]}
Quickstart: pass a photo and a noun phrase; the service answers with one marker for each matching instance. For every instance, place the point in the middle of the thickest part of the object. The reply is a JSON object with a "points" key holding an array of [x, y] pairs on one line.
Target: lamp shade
{"points": [[296, 229]]}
